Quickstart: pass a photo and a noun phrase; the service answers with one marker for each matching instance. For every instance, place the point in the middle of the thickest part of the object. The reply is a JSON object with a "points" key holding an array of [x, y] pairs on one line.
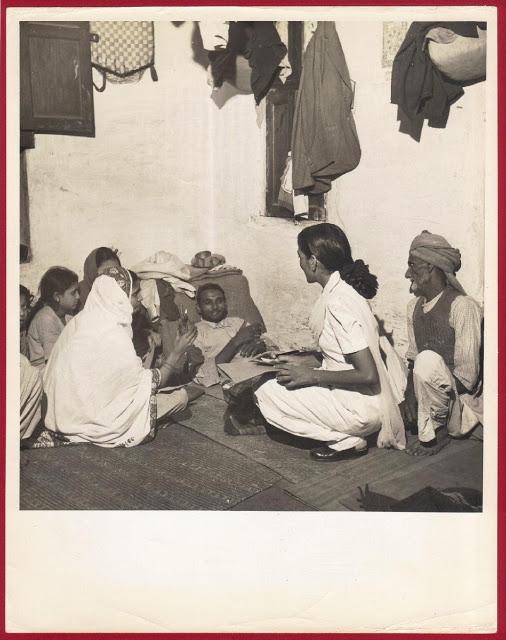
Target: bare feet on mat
{"points": [[423, 449]]}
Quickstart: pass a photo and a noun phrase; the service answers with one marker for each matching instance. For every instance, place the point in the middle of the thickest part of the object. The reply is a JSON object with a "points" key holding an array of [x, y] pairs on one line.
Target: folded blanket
{"points": [[166, 266]]}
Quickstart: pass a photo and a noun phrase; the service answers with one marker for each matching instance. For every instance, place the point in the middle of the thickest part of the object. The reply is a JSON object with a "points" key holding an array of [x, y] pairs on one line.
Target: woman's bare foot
{"points": [[423, 449]]}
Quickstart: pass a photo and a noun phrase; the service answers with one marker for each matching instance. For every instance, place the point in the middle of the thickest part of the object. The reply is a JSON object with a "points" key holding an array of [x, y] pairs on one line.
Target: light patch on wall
{"points": [[393, 35]]}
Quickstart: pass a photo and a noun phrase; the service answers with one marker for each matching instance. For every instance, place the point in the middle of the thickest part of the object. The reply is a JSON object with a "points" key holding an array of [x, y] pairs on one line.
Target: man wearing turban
{"points": [[443, 395]]}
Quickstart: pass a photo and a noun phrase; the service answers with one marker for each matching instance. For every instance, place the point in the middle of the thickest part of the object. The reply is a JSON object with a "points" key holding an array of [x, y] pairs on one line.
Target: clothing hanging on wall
{"points": [[419, 89], [214, 34], [260, 44], [325, 143], [122, 51]]}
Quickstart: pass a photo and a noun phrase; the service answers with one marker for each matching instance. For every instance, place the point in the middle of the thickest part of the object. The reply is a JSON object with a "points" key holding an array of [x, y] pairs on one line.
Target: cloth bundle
{"points": [[287, 197], [460, 58], [166, 266]]}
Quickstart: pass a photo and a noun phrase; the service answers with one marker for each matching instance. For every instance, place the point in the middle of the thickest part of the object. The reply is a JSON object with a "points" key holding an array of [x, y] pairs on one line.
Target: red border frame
{"points": [[501, 506]]}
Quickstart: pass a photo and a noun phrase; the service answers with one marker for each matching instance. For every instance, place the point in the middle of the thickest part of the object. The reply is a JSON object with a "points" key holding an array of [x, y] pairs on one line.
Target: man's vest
{"points": [[432, 329]]}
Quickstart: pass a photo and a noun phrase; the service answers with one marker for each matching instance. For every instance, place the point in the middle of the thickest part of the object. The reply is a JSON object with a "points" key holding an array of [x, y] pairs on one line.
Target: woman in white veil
{"points": [[97, 389]]}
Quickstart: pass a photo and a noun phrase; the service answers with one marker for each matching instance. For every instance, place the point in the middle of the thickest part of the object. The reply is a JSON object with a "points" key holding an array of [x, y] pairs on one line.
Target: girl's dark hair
{"points": [[105, 253], [23, 291], [329, 244], [55, 280]]}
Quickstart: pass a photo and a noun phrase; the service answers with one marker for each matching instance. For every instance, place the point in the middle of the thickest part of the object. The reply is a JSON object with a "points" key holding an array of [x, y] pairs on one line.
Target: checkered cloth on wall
{"points": [[122, 51]]}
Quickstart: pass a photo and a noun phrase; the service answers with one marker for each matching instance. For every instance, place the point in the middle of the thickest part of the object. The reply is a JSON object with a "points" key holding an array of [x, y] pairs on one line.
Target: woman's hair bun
{"points": [[357, 275]]}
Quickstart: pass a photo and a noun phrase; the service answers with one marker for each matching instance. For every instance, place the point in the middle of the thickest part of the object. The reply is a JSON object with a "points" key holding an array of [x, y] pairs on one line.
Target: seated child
{"points": [[59, 298], [220, 337], [25, 299], [30, 377]]}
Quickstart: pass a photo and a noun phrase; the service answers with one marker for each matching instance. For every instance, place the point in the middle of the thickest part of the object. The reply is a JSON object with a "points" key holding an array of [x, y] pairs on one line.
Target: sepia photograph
{"points": [[248, 298], [253, 260]]}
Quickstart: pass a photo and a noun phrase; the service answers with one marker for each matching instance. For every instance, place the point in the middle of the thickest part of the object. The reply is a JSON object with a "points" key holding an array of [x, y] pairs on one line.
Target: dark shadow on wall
{"points": [[383, 332]]}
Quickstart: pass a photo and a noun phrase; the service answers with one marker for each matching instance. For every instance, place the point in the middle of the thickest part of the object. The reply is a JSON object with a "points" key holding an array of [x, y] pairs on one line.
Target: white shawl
{"points": [[96, 387]]}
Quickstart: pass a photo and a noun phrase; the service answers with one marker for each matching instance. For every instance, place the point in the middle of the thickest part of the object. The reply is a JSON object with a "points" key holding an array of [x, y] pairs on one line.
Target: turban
{"points": [[435, 250]]}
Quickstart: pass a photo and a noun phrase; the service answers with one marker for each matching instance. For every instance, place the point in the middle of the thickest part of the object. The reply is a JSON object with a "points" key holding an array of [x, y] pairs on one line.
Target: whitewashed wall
{"points": [[170, 170]]}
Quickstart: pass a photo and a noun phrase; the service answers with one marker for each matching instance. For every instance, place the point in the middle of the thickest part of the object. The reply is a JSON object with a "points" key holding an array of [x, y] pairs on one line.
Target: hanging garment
{"points": [[418, 88], [214, 34], [260, 44], [122, 51], [324, 138]]}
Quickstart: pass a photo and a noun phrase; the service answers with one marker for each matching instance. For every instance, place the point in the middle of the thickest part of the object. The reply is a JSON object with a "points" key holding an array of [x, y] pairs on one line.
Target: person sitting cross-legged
{"points": [[443, 395]]}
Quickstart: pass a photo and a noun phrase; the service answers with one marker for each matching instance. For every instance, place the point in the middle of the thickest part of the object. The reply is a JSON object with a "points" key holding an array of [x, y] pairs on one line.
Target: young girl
{"points": [[94, 265], [25, 299], [59, 297]]}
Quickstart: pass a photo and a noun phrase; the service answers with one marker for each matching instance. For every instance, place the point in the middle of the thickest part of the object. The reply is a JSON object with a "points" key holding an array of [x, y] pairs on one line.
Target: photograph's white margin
{"points": [[221, 571]]}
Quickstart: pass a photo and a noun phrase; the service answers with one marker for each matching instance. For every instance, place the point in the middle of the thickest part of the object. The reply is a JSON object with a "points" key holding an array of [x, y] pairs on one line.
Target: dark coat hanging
{"points": [[324, 137], [261, 45], [419, 89]]}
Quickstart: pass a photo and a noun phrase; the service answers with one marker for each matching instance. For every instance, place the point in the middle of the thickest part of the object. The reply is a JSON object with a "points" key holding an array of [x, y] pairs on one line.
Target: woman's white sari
{"points": [[392, 433], [343, 323], [97, 389]]}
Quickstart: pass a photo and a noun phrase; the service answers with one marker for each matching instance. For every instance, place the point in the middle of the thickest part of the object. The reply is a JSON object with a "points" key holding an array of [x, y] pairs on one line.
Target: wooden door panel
{"points": [[56, 81]]}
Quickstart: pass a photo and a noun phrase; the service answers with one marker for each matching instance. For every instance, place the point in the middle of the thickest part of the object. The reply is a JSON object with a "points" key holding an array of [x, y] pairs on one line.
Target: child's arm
{"points": [[49, 332]]}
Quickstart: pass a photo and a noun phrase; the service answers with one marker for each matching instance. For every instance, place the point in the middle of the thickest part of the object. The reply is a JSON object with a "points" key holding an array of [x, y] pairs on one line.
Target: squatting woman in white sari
{"points": [[97, 389], [350, 396]]}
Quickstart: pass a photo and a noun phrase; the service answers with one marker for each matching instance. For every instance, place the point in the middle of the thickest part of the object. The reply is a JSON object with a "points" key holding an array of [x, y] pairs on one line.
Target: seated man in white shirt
{"points": [[443, 395], [220, 337]]}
